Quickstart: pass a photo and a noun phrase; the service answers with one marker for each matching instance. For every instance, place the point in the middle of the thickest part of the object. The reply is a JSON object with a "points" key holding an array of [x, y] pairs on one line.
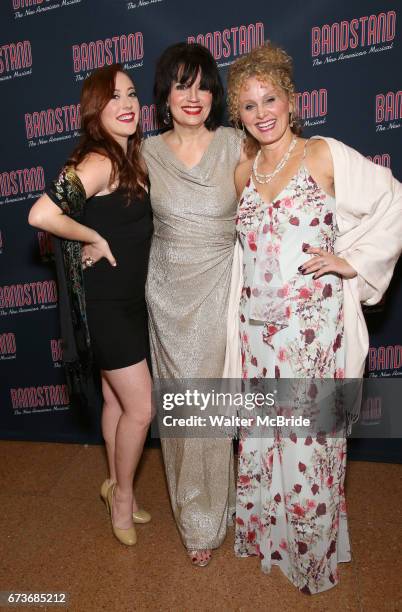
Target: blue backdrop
{"points": [[347, 66]]}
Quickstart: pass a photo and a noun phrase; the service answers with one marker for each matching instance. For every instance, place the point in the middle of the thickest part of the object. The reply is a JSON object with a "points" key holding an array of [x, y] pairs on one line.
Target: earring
{"points": [[242, 128], [168, 116], [291, 119]]}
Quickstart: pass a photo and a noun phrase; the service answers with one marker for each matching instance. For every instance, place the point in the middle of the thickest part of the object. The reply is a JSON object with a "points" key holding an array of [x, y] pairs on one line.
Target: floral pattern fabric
{"points": [[290, 508], [68, 193]]}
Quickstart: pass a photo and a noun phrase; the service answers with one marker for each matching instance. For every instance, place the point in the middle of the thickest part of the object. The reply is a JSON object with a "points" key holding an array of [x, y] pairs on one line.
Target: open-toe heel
{"points": [[195, 560]]}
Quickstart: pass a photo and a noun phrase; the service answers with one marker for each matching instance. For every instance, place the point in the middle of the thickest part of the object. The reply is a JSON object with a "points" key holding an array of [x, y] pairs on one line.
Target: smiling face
{"points": [[264, 110], [121, 114], [189, 104]]}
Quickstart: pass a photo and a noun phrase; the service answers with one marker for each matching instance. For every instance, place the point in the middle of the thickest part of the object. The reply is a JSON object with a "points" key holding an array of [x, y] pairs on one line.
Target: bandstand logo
{"points": [[126, 49], [353, 38], [52, 124], [15, 60], [227, 44], [21, 184]]}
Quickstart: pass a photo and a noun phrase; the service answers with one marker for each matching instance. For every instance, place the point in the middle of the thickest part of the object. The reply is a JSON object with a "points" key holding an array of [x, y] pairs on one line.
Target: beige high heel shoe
{"points": [[140, 516], [125, 536]]}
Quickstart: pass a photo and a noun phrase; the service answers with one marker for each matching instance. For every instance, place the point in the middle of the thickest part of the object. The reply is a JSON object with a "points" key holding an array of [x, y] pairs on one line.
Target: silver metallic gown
{"points": [[187, 296]]}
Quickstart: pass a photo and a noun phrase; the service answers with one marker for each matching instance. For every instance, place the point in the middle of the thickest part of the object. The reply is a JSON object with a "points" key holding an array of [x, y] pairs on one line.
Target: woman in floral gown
{"points": [[290, 497]]}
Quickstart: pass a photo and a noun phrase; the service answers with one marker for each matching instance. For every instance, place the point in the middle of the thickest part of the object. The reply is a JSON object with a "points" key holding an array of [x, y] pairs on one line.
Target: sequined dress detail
{"points": [[187, 295]]}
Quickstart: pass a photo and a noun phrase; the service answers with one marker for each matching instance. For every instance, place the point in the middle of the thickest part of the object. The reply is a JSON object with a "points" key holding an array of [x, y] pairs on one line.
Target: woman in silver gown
{"points": [[191, 167]]}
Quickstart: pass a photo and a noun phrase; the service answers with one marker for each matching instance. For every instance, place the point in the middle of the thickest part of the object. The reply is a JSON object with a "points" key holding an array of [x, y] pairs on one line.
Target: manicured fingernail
{"points": [[300, 268]]}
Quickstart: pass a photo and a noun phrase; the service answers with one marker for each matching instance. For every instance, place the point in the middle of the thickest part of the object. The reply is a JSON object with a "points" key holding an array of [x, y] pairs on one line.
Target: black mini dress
{"points": [[115, 296]]}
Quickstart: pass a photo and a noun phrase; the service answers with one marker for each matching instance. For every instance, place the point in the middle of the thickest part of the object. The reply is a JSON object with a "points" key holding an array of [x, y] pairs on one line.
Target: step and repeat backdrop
{"points": [[347, 66]]}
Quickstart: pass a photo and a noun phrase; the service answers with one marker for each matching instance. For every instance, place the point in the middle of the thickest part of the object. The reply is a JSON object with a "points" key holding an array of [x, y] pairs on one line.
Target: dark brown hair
{"points": [[96, 92]]}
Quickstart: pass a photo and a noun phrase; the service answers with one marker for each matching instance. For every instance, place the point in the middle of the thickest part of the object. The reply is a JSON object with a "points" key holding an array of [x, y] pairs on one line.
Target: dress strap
{"points": [[305, 148]]}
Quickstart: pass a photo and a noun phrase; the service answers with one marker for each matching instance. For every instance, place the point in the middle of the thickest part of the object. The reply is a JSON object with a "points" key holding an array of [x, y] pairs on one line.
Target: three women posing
{"points": [[310, 224]]}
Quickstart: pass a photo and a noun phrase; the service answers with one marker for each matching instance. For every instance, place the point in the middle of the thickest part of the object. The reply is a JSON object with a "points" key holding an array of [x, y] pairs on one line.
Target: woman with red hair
{"points": [[101, 200]]}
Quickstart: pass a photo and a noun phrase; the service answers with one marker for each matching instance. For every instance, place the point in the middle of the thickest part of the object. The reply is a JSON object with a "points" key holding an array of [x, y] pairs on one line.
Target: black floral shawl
{"points": [[68, 192]]}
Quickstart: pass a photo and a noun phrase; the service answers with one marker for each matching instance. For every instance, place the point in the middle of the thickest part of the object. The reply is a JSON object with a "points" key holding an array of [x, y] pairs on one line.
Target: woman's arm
{"points": [[242, 174], [321, 167], [320, 164], [94, 173], [369, 219]]}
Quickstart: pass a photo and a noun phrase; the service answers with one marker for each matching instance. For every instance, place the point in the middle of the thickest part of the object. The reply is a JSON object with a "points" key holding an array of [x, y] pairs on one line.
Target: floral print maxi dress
{"points": [[290, 508]]}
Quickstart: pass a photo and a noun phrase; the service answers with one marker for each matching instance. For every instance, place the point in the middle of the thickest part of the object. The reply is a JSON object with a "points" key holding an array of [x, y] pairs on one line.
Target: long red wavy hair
{"points": [[127, 168]]}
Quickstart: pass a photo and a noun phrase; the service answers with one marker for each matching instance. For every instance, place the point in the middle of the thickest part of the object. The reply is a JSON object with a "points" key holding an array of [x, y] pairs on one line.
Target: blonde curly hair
{"points": [[266, 63]]}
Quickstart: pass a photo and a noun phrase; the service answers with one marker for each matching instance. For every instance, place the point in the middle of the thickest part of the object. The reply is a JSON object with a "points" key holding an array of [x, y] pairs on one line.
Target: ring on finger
{"points": [[88, 262]]}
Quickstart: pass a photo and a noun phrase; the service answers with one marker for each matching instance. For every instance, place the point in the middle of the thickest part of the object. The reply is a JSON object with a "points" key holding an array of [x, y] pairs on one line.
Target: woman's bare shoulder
{"points": [[319, 148], [94, 162], [94, 171], [319, 156]]}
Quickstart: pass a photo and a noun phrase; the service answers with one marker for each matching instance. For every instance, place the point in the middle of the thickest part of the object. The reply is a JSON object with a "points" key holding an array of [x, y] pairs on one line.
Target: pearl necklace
{"points": [[267, 178]]}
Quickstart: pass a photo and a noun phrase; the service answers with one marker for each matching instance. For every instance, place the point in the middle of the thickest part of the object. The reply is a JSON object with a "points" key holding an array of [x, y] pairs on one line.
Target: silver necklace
{"points": [[267, 178]]}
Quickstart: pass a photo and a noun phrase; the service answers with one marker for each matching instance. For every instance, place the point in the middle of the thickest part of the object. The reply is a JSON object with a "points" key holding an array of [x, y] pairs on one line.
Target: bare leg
{"points": [[132, 388], [111, 414]]}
